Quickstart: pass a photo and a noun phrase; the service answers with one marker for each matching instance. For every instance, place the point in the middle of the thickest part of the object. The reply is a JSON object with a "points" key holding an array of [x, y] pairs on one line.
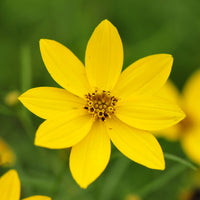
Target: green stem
{"points": [[25, 55], [26, 122], [22, 114], [180, 160], [113, 178], [58, 180]]}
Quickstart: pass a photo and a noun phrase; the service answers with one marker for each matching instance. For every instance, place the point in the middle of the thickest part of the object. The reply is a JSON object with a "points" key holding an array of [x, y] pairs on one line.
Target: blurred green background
{"points": [[146, 27]]}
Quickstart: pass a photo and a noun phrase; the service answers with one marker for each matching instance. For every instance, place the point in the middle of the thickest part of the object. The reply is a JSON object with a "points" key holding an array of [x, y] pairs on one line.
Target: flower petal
{"points": [[172, 133], [89, 158], [140, 146], [149, 113], [48, 102], [10, 186], [7, 156], [190, 143], [37, 197], [104, 56], [170, 92], [192, 96], [64, 67], [145, 76], [64, 131]]}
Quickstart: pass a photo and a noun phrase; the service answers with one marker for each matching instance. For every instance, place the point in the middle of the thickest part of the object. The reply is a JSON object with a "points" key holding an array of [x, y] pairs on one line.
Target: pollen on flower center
{"points": [[100, 104]]}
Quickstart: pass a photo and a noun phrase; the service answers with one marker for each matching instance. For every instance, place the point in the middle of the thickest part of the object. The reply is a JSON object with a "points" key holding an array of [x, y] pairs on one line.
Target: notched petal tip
{"points": [[83, 186], [106, 21], [106, 24]]}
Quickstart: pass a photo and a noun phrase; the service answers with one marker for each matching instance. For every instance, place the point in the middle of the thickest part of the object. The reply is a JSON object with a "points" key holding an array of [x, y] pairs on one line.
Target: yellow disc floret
{"points": [[100, 104]]}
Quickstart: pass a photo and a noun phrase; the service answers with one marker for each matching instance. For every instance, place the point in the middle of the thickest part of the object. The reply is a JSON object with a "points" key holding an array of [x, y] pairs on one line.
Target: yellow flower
{"points": [[7, 157], [98, 104], [10, 187], [188, 130]]}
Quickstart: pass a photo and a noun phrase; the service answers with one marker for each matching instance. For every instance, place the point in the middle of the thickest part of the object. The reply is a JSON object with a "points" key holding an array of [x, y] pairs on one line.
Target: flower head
{"points": [[99, 104], [7, 156], [188, 130], [10, 188]]}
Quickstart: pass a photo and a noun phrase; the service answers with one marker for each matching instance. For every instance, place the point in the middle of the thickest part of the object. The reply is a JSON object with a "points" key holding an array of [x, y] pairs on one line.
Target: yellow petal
{"points": [[192, 96], [7, 156], [172, 133], [48, 102], [37, 197], [104, 56], [170, 92], [191, 142], [64, 131], [10, 186], [145, 76], [149, 113], [64, 67], [140, 146], [89, 158]]}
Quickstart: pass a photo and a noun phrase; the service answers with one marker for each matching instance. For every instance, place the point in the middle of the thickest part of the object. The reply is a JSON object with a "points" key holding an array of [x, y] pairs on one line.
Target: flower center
{"points": [[186, 124], [100, 104]]}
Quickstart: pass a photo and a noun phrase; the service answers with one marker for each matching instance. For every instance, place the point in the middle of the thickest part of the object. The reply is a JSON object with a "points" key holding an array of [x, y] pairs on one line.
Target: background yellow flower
{"points": [[10, 187], [188, 130], [7, 156]]}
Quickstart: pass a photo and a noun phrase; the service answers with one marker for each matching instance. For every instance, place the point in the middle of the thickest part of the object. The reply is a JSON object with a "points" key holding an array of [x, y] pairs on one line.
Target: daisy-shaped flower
{"points": [[10, 187], [99, 104], [188, 130], [7, 156]]}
